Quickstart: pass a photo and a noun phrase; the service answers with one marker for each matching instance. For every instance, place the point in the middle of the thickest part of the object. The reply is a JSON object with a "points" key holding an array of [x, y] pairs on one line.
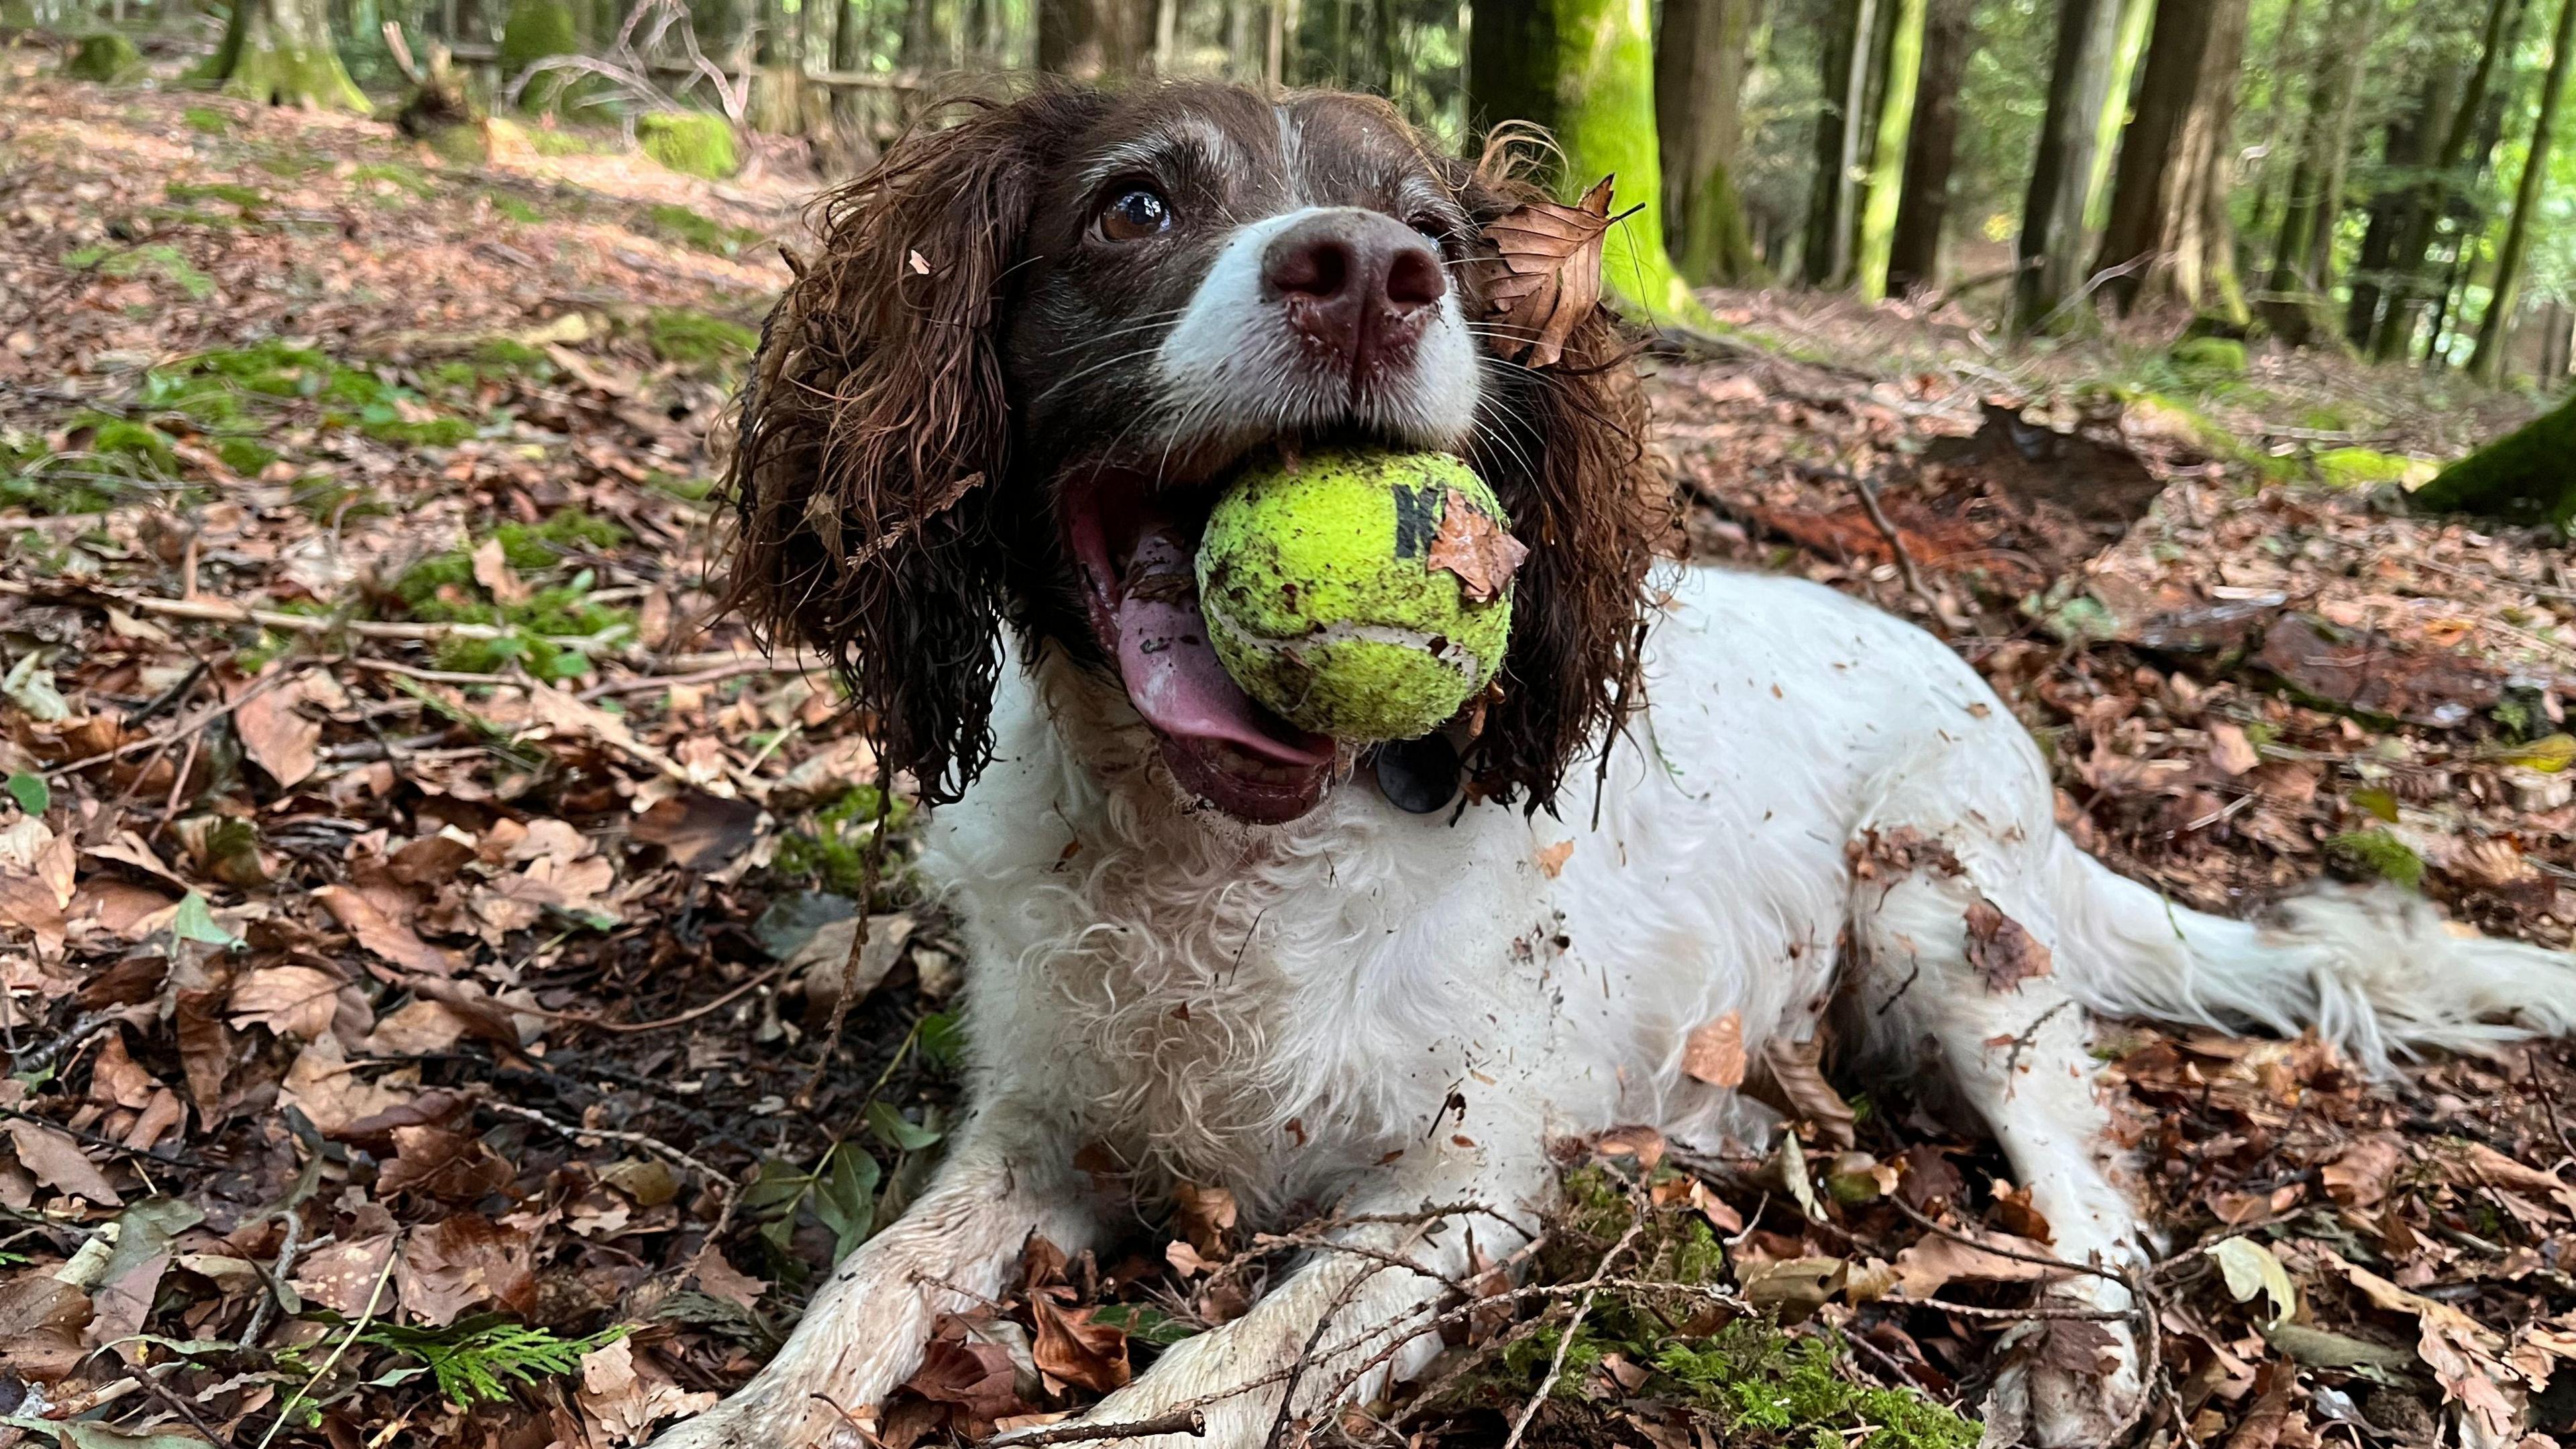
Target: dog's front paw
{"points": [[2071, 1383]]}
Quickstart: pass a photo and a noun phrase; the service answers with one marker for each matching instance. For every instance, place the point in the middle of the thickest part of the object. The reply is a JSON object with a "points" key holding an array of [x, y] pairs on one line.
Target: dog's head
{"points": [[1035, 341]]}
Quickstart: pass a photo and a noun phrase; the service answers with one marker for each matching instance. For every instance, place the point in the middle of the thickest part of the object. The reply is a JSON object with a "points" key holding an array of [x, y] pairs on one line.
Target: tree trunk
{"points": [[2410, 258], [1914, 254], [2303, 253], [1090, 40], [2137, 18], [2169, 219], [2409, 144], [279, 53], [2282, 70], [1827, 217], [2487, 363], [2523, 475], [1877, 241], [2051, 247], [1699, 80]]}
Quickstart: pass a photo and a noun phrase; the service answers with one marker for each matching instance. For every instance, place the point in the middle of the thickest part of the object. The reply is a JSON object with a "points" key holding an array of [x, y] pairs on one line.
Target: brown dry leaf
{"points": [[2079, 1347], [339, 1274], [1552, 858], [492, 570], [1795, 1078], [1206, 1216], [1934, 1261], [459, 1262], [41, 1321], [276, 737], [2465, 1162], [116, 1079], [1714, 1051], [1545, 276], [2464, 1356], [2360, 1177], [58, 1163], [623, 1400], [292, 1001], [1481, 552], [2230, 750], [438, 1164], [974, 1375], [1642, 1143], [703, 832], [2004, 954], [720, 1279], [418, 1028], [1071, 1349], [383, 935], [323, 1085]]}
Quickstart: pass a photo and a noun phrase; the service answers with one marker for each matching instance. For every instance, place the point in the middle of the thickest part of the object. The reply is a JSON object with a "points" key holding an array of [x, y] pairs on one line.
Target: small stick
{"points": [[182, 1408], [294, 1401], [590, 1019], [871, 865], [722, 1183], [1565, 1339], [1192, 1422], [1895, 540]]}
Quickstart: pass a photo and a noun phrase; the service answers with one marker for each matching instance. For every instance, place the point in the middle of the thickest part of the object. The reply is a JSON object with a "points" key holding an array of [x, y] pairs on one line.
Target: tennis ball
{"points": [[1361, 593]]}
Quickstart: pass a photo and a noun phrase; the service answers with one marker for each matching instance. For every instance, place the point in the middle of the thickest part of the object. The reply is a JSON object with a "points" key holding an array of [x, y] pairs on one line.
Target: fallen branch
{"points": [[222, 613], [1181, 1421]]}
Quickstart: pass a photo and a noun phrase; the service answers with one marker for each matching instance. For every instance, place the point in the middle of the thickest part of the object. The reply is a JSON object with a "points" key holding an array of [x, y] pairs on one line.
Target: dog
{"points": [[1209, 949]]}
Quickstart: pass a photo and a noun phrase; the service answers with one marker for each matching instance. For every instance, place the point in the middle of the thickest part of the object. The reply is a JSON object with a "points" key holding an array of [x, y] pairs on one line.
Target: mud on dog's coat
{"points": [[1030, 347]]}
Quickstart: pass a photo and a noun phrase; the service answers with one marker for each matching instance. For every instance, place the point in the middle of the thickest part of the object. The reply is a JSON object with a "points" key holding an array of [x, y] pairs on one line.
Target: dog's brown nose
{"points": [[1354, 283]]}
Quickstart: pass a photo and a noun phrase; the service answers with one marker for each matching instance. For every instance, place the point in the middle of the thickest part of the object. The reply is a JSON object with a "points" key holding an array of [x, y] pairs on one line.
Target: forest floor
{"points": [[416, 917]]}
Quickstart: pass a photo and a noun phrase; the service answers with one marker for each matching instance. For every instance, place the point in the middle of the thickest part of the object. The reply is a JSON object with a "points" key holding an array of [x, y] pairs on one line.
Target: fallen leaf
{"points": [[459, 1262], [1552, 858], [974, 1375], [339, 1274], [703, 832], [1714, 1051], [1793, 1080], [1934, 1261], [1071, 1349], [57, 1161], [379, 933], [492, 570], [1545, 275], [277, 738], [2230, 750], [1642, 1143], [292, 1001], [2004, 954], [2251, 1271], [2079, 1347], [720, 1279], [41, 1323], [1476, 548], [2361, 1175], [417, 1028], [1206, 1216]]}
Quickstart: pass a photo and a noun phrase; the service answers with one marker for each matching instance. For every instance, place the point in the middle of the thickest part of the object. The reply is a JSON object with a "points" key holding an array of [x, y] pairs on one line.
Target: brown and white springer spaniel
{"points": [[1359, 982]]}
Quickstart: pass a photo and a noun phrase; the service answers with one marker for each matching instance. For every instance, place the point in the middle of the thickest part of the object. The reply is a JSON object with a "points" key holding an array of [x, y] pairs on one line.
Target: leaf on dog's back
{"points": [[2004, 953], [1546, 273], [1714, 1051]]}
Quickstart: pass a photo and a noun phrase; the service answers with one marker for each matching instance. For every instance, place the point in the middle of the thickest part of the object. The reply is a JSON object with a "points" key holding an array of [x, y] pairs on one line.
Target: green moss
{"points": [[693, 143], [832, 851], [191, 192], [265, 70], [132, 445], [159, 261], [2209, 359], [694, 339], [2375, 855], [442, 589], [206, 120], [105, 58], [555, 141], [539, 30], [1603, 71], [2360, 467], [566, 531], [690, 229], [244, 456], [513, 208], [463, 145], [402, 177], [2524, 474], [1772, 1389], [417, 433]]}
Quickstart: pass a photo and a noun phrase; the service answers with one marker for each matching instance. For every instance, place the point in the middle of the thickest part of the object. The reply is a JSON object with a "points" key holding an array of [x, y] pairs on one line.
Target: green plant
{"points": [[475, 1360], [2375, 855], [692, 230], [513, 208], [190, 192], [832, 852], [105, 57], [158, 259], [1773, 1388], [206, 121], [694, 339], [693, 143]]}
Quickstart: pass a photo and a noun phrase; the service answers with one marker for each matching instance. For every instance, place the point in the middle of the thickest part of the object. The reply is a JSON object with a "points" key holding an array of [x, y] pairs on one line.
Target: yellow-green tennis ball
{"points": [[1358, 596]]}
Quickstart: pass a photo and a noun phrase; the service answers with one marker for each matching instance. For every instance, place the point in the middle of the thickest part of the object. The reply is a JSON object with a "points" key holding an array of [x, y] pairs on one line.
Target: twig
{"points": [[871, 866], [2040, 1259], [182, 1408], [1192, 1422], [1895, 541], [646, 683], [1565, 1338], [286, 1251], [592, 1019], [184, 728], [393, 1253], [715, 1179]]}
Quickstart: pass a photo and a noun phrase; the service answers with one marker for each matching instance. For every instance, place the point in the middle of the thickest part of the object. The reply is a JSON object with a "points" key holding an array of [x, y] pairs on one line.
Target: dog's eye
{"points": [[1135, 215]]}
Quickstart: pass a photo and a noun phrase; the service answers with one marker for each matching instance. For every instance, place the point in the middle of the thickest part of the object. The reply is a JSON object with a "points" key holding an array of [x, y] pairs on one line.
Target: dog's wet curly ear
{"points": [[1564, 446], [873, 433]]}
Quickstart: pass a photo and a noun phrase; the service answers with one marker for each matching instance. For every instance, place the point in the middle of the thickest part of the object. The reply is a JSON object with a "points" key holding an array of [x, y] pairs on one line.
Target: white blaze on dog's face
{"points": [[1209, 279]]}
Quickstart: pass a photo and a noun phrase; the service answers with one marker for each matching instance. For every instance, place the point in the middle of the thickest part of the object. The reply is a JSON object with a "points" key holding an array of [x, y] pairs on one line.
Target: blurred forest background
{"points": [[2369, 175]]}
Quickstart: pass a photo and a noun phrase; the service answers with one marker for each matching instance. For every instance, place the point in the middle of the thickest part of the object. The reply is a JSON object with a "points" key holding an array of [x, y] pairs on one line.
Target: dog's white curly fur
{"points": [[1371, 1011]]}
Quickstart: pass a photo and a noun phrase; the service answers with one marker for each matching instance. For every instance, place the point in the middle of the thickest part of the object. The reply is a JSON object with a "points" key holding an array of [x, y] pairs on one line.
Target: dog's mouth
{"points": [[1137, 549]]}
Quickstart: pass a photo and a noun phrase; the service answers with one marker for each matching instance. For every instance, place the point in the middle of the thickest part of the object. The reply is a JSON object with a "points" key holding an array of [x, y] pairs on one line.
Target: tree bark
{"points": [[2281, 70], [1700, 54], [2521, 475], [2137, 19], [1091, 40], [2487, 362], [1904, 66], [1827, 215], [2169, 219], [279, 53], [2303, 253], [2409, 143], [2051, 247], [1922, 216]]}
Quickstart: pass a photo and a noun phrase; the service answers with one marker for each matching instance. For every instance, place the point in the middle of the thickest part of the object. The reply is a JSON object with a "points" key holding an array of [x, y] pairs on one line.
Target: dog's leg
{"points": [[1954, 948], [1352, 1318], [1006, 1178]]}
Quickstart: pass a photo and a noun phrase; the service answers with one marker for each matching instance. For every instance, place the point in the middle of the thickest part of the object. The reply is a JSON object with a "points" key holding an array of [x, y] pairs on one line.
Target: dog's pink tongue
{"points": [[1172, 672]]}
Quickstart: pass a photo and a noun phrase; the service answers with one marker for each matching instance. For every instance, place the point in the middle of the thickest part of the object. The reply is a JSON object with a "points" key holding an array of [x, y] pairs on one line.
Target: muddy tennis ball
{"points": [[1359, 593]]}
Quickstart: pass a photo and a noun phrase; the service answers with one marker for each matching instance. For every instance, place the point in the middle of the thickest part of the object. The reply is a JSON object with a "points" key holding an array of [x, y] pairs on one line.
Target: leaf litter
{"points": [[418, 917]]}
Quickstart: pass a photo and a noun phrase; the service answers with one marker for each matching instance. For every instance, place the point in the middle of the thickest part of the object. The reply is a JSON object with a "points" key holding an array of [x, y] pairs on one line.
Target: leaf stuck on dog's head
{"points": [[1545, 274]]}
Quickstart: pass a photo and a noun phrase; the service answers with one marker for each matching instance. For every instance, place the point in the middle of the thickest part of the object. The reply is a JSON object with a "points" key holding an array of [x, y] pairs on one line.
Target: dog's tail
{"points": [[2377, 971]]}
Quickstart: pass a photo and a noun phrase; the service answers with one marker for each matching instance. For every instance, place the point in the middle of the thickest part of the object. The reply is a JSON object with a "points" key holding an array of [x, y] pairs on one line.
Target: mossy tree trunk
{"points": [[2493, 328], [2410, 262], [279, 52], [1587, 69], [1700, 55], [1914, 252], [2051, 248], [2169, 221], [2525, 474], [1877, 240]]}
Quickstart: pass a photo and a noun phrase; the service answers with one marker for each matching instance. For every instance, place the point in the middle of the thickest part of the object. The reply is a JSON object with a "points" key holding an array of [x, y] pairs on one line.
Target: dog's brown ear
{"points": [[1564, 447], [873, 435]]}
